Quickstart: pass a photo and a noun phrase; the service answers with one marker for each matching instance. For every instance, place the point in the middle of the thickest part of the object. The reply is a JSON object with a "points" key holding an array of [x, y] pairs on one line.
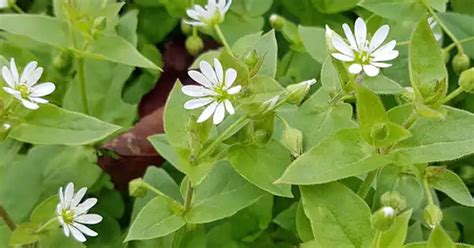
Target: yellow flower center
{"points": [[24, 90], [363, 58], [222, 94], [68, 216]]}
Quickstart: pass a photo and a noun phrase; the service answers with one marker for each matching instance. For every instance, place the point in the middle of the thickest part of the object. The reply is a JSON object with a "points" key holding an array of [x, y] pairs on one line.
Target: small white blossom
{"points": [[361, 53], [4, 4], [72, 214], [215, 91], [433, 24], [24, 88], [6, 126], [388, 212], [213, 13]]}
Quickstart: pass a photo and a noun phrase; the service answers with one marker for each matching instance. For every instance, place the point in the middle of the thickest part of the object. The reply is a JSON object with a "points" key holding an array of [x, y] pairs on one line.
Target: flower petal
{"points": [[8, 77], [68, 194], [360, 30], [90, 219], [229, 107], [219, 70], [219, 114], [34, 77], [197, 91], [66, 230], [77, 234], [85, 230], [207, 113], [197, 103], [389, 55], [85, 206], [78, 197], [38, 100], [61, 196], [43, 89], [208, 72], [350, 36], [227, 7], [371, 70], [379, 37], [342, 57], [342, 47], [234, 90], [195, 23], [230, 76], [355, 68], [193, 14], [29, 104], [201, 79], [380, 64], [29, 69], [385, 48], [14, 71]]}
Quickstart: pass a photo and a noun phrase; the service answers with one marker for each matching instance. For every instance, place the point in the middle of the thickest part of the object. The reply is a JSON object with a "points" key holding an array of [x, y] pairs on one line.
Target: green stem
{"points": [[82, 85], [441, 24], [153, 189], [178, 237], [453, 45], [6, 217], [453, 94], [403, 43], [378, 238], [45, 225], [210, 149], [411, 119], [189, 197], [365, 186], [223, 39], [428, 191], [16, 8]]}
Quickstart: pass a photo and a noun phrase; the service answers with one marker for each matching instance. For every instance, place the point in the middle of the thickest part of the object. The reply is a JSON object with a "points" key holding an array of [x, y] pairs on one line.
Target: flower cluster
{"points": [[362, 54], [215, 91], [211, 14], [72, 215], [24, 87]]}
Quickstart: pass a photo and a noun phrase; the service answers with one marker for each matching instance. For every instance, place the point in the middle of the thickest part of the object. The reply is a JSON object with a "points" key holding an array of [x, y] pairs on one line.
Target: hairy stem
{"points": [[45, 225], [453, 94], [223, 39], [6, 217], [365, 186]]}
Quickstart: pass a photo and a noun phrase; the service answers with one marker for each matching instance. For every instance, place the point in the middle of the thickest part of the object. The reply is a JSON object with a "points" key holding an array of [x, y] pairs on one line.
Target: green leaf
{"points": [[462, 6], [334, 6], [454, 139], [163, 147], [116, 49], [236, 26], [383, 85], [160, 217], [176, 118], [440, 239], [262, 165], [24, 234], [426, 61], [439, 5], [40, 28], [330, 77], [339, 218], [265, 46], [395, 236], [312, 38], [287, 218], [393, 9], [342, 155], [57, 239], [67, 128], [222, 194], [453, 186], [251, 7], [303, 225], [460, 26]]}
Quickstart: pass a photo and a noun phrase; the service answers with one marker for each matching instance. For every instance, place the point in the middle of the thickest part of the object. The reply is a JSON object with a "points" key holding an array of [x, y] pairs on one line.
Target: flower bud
{"points": [[329, 34], [277, 22], [137, 188], [297, 92], [432, 215], [268, 105], [409, 94], [186, 28], [63, 61], [461, 62], [100, 23], [434, 173], [4, 130], [251, 58], [293, 140], [194, 45], [447, 56], [395, 200], [467, 174], [466, 80], [383, 219], [379, 132]]}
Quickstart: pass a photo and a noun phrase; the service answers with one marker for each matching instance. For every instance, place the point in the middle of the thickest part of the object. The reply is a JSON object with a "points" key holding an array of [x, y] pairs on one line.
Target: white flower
{"points": [[215, 91], [388, 212], [24, 88], [72, 214], [4, 4], [212, 13], [433, 24], [6, 126], [362, 54]]}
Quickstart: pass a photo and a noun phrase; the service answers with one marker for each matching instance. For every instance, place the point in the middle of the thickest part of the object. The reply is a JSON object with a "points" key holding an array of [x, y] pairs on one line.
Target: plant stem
{"points": [[441, 24], [409, 122], [49, 222], [365, 186], [210, 149], [8, 220], [378, 238], [453, 94], [453, 45], [178, 237], [189, 196], [223, 39], [82, 85], [16, 8], [403, 43], [428, 191]]}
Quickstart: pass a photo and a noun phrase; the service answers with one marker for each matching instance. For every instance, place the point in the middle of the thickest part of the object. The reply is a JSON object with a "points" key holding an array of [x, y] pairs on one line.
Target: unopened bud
{"points": [[4, 130], [409, 94], [293, 140], [383, 218], [251, 58], [186, 28], [194, 45], [434, 173], [467, 174], [100, 23], [329, 34], [137, 188], [63, 61], [379, 132], [461, 62], [466, 80], [268, 105], [432, 215], [297, 92], [395, 200], [447, 56], [277, 22]]}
